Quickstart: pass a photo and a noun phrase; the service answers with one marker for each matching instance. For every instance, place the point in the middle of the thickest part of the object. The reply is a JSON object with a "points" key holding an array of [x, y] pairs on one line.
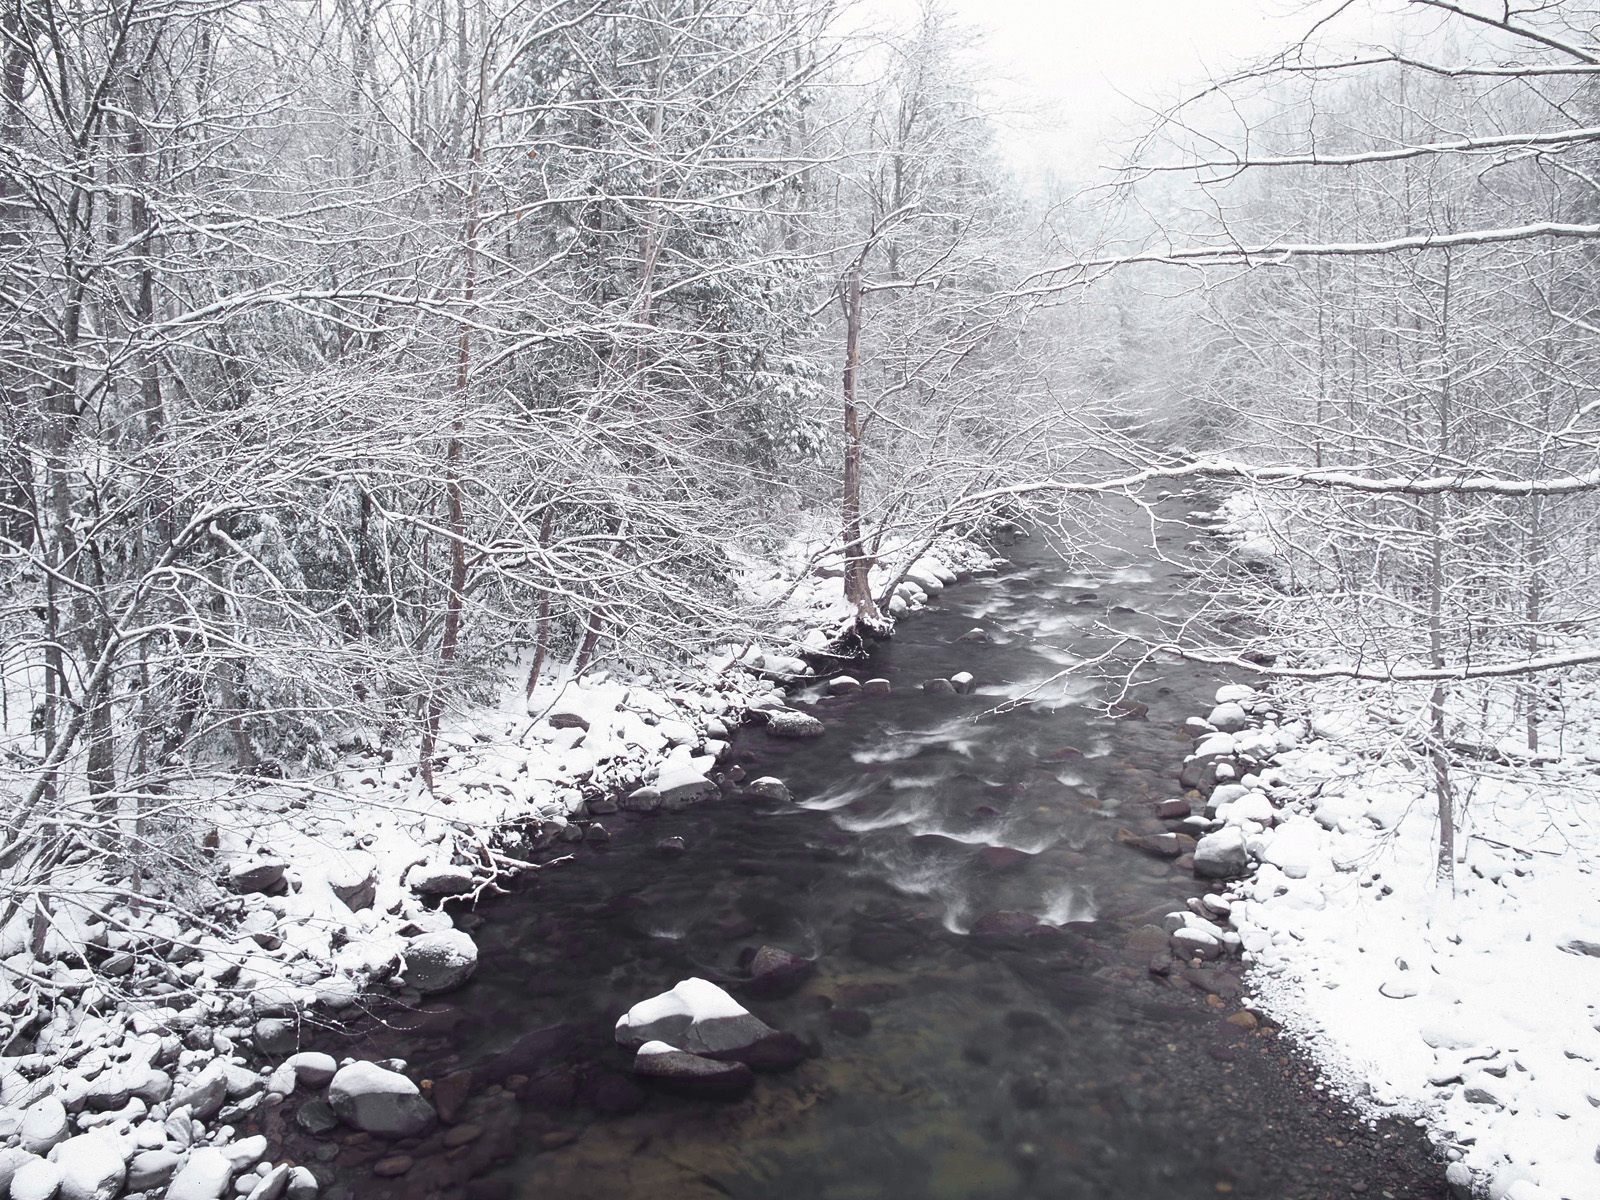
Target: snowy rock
{"points": [[1235, 693], [151, 1169], [439, 962], [375, 1100], [204, 1094], [13, 1160], [1228, 718], [768, 788], [962, 681], [256, 875], [272, 1185], [276, 1036], [692, 1074], [1221, 855], [787, 723], [204, 1177], [246, 1151], [353, 877], [876, 686], [440, 879], [312, 1068], [36, 1180], [91, 1166], [844, 685], [679, 784], [44, 1125], [302, 1184], [701, 1018]]}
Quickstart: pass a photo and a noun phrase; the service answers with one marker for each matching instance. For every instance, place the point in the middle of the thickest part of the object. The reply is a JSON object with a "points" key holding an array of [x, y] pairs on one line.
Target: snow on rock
{"points": [[312, 1068], [205, 1176], [39, 1180], [439, 962], [44, 1125], [1221, 855], [787, 723], [92, 1166], [379, 1101], [700, 1018], [768, 788]]}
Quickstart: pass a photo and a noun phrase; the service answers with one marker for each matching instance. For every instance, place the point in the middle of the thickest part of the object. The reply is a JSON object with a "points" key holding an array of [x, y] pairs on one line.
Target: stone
{"points": [[692, 1074], [876, 686], [276, 1037], [451, 1093], [1002, 858], [272, 1185], [440, 879], [568, 720], [378, 1101], [12, 1160], [1157, 845], [775, 972], [36, 1180], [354, 879], [843, 685], [852, 1022], [787, 723], [768, 788], [316, 1117], [302, 1184], [151, 1169], [671, 847], [312, 1068], [439, 962], [963, 682], [256, 875], [1000, 925], [393, 1166], [680, 785], [1228, 718], [205, 1176], [974, 635], [462, 1135], [204, 1094], [44, 1125], [92, 1166], [699, 1017], [938, 687], [1221, 855], [1173, 810]]}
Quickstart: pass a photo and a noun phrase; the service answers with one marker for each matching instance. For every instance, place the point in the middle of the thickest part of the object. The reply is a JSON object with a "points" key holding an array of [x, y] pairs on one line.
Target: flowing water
{"points": [[1053, 1064]]}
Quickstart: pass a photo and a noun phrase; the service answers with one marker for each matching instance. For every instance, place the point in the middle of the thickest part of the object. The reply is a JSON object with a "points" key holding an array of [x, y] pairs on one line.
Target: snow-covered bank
{"points": [[170, 1025], [1474, 1010]]}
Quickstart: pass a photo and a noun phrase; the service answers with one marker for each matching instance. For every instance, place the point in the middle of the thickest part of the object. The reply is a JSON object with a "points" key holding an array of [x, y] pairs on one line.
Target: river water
{"points": [[948, 1064]]}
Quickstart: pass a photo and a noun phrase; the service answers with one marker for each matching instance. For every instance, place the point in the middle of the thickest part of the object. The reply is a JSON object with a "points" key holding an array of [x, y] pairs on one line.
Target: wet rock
{"points": [[378, 1101], [440, 962], [671, 847], [316, 1117], [963, 682], [852, 1022], [601, 806], [462, 1135], [768, 788], [451, 1093], [939, 687], [876, 686], [393, 1166], [974, 635], [692, 1074], [256, 875], [645, 799], [699, 1017], [775, 972], [1191, 942], [843, 685], [1002, 858], [1006, 924], [1221, 855], [1157, 845], [613, 1095], [597, 833], [787, 723], [1173, 810], [92, 1166], [883, 944]]}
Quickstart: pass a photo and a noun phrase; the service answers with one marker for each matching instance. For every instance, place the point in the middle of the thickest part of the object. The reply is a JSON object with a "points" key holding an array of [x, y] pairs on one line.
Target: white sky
{"points": [[1073, 72]]}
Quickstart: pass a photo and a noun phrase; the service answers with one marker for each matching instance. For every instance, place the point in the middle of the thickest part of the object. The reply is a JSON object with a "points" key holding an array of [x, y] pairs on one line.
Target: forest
{"points": [[431, 426]]}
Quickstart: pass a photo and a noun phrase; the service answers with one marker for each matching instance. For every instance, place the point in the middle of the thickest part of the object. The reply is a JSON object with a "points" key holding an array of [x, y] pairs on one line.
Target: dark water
{"points": [[948, 1065]]}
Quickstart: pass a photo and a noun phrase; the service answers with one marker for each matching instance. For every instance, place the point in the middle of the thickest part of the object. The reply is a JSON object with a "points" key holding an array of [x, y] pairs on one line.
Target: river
{"points": [[1049, 1063]]}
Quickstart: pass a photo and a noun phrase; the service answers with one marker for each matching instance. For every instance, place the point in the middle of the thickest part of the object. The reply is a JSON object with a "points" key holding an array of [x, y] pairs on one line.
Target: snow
{"points": [[698, 999], [1474, 1011]]}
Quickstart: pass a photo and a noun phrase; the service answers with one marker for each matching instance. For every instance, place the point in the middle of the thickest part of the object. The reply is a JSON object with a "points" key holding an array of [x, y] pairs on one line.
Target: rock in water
{"points": [[312, 1068], [1228, 718], [1221, 855], [775, 972], [692, 1074], [204, 1177], [439, 962], [768, 788], [378, 1101], [1004, 924], [699, 1017], [91, 1166], [787, 723]]}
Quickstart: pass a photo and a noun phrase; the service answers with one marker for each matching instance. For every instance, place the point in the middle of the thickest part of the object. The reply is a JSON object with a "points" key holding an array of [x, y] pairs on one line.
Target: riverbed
{"points": [[994, 1012]]}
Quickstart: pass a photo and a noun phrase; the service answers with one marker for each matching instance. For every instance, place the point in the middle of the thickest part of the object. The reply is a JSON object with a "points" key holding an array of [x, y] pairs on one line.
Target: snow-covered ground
{"points": [[1474, 1008]]}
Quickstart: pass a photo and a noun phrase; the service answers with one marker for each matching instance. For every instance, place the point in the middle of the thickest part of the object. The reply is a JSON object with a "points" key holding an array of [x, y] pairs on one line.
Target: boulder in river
{"points": [[938, 687], [768, 787], [692, 1074], [775, 972], [439, 962], [844, 685], [1221, 855], [877, 686], [379, 1101], [787, 723], [701, 1018], [974, 635], [1001, 925]]}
